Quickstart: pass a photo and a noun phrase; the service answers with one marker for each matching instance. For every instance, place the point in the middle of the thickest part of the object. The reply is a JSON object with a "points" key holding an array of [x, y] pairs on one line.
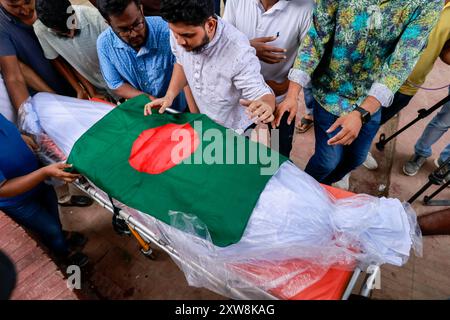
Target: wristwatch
{"points": [[365, 115]]}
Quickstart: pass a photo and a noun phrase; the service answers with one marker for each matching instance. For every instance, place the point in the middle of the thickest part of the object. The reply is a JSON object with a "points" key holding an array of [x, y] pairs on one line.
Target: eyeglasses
{"points": [[138, 26]]}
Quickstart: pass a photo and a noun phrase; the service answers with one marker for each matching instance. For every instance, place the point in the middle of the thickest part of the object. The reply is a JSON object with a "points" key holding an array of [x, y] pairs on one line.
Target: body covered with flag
{"points": [[133, 158], [280, 231]]}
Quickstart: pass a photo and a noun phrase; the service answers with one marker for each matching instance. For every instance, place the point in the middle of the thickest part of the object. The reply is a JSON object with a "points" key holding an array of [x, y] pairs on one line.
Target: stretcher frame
{"points": [[146, 237]]}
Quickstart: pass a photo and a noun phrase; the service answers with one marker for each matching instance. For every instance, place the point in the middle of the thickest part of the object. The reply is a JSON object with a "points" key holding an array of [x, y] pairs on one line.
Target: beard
{"points": [[204, 43]]}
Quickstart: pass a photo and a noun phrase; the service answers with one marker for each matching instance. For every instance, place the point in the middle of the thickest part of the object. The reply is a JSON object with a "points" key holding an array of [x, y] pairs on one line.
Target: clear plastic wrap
{"points": [[296, 233]]}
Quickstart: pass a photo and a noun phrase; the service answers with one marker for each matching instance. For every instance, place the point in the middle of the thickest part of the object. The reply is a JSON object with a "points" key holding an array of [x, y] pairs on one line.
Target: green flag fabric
{"points": [[218, 180]]}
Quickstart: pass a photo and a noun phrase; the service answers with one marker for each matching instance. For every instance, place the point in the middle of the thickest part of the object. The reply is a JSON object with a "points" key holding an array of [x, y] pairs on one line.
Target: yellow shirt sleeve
{"points": [[436, 41]]}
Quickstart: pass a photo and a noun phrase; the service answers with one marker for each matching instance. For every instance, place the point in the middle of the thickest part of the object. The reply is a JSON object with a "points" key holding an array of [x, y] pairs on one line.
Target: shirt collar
{"points": [[217, 36], [150, 44], [279, 6], [7, 15]]}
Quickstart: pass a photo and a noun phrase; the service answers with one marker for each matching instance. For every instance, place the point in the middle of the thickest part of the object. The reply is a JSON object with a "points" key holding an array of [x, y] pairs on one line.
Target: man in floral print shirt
{"points": [[357, 55]]}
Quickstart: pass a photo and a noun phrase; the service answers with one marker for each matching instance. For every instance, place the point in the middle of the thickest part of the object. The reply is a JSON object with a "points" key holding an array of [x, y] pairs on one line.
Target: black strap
{"points": [[119, 225]]}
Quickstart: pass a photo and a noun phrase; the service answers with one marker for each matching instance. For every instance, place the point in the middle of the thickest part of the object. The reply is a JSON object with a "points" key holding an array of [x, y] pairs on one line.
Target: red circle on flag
{"points": [[158, 149]]}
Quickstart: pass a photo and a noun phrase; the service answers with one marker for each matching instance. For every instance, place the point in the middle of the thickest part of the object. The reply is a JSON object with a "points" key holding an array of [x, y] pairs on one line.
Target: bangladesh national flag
{"points": [[185, 163]]}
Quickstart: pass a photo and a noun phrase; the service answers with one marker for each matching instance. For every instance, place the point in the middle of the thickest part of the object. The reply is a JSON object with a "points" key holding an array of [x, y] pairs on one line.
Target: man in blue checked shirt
{"points": [[134, 53]]}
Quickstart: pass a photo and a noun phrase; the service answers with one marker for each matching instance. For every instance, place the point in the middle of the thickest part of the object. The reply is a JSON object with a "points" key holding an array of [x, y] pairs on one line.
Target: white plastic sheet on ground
{"points": [[296, 232]]}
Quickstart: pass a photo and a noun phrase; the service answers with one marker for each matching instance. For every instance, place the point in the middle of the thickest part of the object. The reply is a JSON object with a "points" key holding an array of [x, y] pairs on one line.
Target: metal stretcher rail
{"points": [[150, 236]]}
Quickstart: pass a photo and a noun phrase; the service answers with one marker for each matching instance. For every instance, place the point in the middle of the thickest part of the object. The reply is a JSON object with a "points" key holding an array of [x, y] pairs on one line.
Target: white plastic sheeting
{"points": [[296, 232]]}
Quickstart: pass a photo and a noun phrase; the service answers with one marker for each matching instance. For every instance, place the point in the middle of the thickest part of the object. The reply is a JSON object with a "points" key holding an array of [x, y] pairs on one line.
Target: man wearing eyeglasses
{"points": [[135, 54], [70, 33]]}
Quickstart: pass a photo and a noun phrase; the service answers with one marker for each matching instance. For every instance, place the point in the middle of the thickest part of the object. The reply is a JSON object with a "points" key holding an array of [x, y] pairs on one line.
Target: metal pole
{"points": [[423, 113]]}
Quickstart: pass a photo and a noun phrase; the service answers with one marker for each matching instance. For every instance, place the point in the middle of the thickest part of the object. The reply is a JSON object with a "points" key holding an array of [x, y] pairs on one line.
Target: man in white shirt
{"points": [[275, 29], [71, 32], [218, 63]]}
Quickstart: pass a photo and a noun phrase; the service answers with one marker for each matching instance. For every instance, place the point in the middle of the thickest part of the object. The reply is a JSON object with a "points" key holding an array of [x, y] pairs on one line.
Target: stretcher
{"points": [[278, 279]]}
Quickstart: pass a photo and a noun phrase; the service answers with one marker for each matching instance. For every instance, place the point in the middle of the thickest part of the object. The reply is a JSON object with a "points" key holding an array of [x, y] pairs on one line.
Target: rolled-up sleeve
{"points": [[248, 78], [406, 54], [112, 77], [313, 45]]}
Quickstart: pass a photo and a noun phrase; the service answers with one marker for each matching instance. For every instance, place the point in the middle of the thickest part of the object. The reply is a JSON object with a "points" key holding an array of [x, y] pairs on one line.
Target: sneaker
{"points": [[438, 164], [77, 259], [344, 183], [413, 165], [370, 162]]}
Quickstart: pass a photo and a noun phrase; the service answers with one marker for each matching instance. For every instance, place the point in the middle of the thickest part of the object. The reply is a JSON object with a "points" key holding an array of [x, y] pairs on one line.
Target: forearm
{"points": [[127, 91], [445, 53], [86, 84], [67, 73], [294, 90], [193, 108], [17, 91], [177, 83], [19, 185], [371, 104], [33, 80]]}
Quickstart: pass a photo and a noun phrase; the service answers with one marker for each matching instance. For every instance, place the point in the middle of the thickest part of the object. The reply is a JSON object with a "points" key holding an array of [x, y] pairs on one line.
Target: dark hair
{"points": [[191, 12], [53, 13], [110, 8]]}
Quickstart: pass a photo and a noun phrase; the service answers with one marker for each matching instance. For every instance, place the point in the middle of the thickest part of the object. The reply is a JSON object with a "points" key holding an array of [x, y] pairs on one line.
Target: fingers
{"points": [[279, 114], [148, 109], [274, 49], [265, 39], [272, 58], [335, 125], [245, 102], [292, 115]]}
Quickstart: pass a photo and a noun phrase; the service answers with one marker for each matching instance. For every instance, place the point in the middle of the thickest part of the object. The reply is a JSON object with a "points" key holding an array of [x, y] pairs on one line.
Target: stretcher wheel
{"points": [[149, 253]]}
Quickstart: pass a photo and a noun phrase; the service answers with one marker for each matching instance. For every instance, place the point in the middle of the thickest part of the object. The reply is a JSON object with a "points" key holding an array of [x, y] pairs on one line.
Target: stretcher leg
{"points": [[145, 246]]}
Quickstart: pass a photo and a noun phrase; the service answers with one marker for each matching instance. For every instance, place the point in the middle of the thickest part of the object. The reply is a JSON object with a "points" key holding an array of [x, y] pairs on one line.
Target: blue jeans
{"points": [[330, 164], [309, 100], [39, 213], [437, 127]]}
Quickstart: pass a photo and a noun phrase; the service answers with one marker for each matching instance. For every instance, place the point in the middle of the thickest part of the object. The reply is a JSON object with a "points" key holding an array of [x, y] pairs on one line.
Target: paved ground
{"points": [[119, 271]]}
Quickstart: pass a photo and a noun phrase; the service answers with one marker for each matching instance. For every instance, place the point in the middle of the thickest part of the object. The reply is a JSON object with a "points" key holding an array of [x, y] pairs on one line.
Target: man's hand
{"points": [[56, 170], [82, 94], [161, 103], [258, 110], [267, 53], [289, 105], [30, 143], [351, 125]]}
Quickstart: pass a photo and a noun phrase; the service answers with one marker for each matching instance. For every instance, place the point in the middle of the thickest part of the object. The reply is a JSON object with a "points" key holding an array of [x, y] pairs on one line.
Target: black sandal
{"points": [[77, 201], [306, 124]]}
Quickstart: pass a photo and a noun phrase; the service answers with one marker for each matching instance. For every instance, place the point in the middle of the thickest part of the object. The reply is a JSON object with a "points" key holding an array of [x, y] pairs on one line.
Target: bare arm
{"points": [[67, 72], [127, 91], [445, 53], [193, 108], [33, 80], [19, 185], [14, 80], [177, 83]]}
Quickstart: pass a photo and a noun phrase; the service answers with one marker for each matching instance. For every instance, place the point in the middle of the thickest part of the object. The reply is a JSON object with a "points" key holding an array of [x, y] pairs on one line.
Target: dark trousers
{"points": [[400, 101], [39, 213], [330, 164]]}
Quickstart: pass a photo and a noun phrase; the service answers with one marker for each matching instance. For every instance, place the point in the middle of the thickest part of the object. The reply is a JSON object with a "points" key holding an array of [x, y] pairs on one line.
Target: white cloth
{"points": [[81, 51], [291, 19], [6, 108], [62, 118], [224, 72]]}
